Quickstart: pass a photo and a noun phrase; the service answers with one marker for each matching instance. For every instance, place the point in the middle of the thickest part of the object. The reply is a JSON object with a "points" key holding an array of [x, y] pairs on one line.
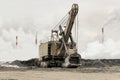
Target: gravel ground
{"points": [[53, 75], [106, 73]]}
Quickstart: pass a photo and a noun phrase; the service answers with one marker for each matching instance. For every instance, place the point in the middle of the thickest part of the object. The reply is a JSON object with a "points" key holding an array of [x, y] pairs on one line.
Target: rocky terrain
{"points": [[89, 70]]}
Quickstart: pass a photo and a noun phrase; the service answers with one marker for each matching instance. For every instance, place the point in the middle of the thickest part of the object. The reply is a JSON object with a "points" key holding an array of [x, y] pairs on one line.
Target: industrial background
{"points": [[22, 20]]}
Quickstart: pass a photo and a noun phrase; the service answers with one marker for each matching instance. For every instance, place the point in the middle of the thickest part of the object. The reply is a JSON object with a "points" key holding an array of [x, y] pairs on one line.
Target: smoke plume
{"points": [[110, 49]]}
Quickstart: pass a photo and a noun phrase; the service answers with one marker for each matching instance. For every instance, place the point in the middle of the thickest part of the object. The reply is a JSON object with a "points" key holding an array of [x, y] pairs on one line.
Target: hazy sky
{"points": [[26, 17]]}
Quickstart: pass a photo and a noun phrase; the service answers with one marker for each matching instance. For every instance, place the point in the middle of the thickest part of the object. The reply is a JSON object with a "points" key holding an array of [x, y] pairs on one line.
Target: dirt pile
{"points": [[27, 63], [85, 63], [100, 62]]}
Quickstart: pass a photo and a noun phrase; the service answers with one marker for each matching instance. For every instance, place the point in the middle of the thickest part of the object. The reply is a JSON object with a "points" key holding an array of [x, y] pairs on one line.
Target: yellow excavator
{"points": [[61, 50]]}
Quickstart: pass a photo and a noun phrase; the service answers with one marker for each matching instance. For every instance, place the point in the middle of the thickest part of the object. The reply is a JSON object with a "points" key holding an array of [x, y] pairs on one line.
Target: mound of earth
{"points": [[30, 62], [85, 63], [100, 62]]}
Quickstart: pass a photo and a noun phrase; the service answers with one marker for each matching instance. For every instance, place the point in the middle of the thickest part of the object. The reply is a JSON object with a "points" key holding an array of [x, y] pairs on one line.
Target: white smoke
{"points": [[110, 49], [26, 48]]}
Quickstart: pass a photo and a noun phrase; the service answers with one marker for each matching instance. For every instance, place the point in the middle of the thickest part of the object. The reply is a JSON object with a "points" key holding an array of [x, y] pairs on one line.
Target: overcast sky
{"points": [[26, 17]]}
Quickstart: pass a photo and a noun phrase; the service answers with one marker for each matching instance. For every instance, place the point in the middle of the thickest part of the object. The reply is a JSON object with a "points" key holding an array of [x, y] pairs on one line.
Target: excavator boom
{"points": [[72, 14], [67, 32]]}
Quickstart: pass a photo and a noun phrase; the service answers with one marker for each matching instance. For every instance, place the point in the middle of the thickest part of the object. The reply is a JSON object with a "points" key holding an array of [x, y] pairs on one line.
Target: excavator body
{"points": [[61, 50]]}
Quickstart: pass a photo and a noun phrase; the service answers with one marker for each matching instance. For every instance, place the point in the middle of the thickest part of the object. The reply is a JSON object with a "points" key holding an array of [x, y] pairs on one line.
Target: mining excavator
{"points": [[61, 50]]}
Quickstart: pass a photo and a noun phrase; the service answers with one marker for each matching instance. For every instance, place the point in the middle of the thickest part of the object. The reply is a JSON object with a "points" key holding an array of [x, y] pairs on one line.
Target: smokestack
{"points": [[16, 40], [102, 35], [36, 39]]}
